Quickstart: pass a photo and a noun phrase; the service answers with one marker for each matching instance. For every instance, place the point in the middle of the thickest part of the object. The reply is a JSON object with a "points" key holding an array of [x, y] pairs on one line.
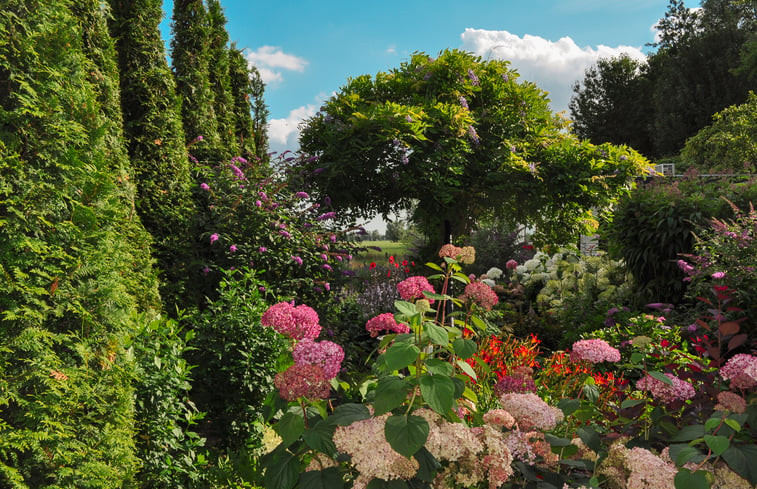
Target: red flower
{"points": [[528, 247], [372, 265]]}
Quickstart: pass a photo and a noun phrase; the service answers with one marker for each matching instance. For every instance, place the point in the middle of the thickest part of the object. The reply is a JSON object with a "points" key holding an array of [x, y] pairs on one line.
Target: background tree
{"points": [[241, 91], [71, 282], [189, 57], [729, 144], [260, 113], [610, 104], [455, 138], [219, 57], [155, 141]]}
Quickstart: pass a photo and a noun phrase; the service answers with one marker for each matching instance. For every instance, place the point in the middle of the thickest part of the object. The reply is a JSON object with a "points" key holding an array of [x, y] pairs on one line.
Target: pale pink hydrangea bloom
{"points": [[302, 381], [679, 391], [449, 441], [481, 294], [490, 465], [648, 471], [370, 453], [385, 322], [520, 447], [466, 254], [741, 370], [511, 264], [324, 353], [730, 401], [594, 351], [413, 287], [530, 411], [499, 417], [296, 322]]}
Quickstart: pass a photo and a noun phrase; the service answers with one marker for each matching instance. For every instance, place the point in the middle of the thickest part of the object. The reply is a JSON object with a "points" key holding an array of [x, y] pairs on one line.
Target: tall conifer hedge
{"points": [[70, 280]]}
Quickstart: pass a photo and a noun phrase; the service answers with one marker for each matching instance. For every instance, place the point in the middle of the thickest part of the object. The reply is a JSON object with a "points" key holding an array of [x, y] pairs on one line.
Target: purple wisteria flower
{"points": [[473, 78], [463, 102], [473, 135]]}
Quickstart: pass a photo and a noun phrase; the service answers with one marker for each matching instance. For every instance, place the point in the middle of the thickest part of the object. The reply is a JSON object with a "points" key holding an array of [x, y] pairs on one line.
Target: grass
{"points": [[396, 249]]}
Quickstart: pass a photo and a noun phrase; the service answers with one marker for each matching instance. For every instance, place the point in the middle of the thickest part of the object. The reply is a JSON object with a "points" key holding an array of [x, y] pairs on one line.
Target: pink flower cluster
{"points": [[679, 391], [741, 370], [412, 288], [385, 322], [530, 411], [325, 354], [296, 322], [637, 468], [466, 254], [594, 351], [480, 294], [499, 417], [370, 453], [730, 401], [302, 381]]}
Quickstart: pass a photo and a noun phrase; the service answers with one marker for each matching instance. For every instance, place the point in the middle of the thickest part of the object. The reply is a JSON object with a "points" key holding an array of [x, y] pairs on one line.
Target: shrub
{"points": [[235, 358], [655, 224]]}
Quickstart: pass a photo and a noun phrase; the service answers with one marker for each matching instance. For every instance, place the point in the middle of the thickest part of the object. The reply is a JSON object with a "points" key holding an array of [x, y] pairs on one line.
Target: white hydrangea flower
{"points": [[494, 273]]}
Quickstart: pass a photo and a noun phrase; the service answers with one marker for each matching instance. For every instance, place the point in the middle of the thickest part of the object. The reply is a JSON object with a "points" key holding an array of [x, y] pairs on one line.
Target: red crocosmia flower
{"points": [[389, 274], [391, 259], [528, 247], [372, 265], [407, 270], [664, 343], [396, 265], [404, 263]]}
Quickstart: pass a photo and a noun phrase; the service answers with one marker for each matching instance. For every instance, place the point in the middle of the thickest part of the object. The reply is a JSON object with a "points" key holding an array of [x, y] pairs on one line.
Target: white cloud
{"points": [[284, 133], [554, 66], [269, 60], [391, 50]]}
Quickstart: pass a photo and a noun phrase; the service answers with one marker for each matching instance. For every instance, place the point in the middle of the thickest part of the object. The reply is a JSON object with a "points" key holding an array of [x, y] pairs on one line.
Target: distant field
{"points": [[388, 248]]}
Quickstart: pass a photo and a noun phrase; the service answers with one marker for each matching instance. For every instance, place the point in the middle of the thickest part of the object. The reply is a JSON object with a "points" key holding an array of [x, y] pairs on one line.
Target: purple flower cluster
{"points": [[325, 216], [325, 354], [517, 384], [412, 288], [296, 322], [594, 351]]}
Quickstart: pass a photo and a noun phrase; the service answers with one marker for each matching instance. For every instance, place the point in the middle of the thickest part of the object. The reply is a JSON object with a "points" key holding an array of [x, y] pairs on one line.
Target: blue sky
{"points": [[306, 49]]}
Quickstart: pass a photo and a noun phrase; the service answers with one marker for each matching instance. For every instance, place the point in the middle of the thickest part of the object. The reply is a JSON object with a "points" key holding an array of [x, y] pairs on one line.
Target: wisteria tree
{"points": [[455, 138]]}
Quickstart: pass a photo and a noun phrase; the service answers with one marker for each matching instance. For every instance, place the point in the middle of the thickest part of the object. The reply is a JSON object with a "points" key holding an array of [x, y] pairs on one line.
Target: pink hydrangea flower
{"points": [[326, 354], [302, 381], [296, 322], [731, 401], [385, 322], [594, 351], [499, 417], [741, 370], [530, 411], [511, 264], [679, 391], [480, 294], [412, 288], [466, 254]]}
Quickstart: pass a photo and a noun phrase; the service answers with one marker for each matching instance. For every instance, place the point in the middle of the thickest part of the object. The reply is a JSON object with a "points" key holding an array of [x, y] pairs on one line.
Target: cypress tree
{"points": [[155, 141], [69, 288], [189, 55], [219, 57], [259, 113], [239, 77]]}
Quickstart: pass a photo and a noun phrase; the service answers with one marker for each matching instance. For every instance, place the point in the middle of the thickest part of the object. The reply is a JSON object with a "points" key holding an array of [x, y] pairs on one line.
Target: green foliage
{"points": [[72, 254], [190, 43], [155, 140], [495, 244], [240, 86], [729, 144], [606, 104], [220, 81], [458, 138], [701, 66], [236, 361], [166, 444], [655, 224]]}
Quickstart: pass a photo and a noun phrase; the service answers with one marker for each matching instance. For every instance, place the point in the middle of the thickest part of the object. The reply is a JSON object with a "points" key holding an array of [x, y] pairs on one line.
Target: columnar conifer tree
{"points": [[219, 57], [259, 113], [189, 55], [155, 140], [69, 287], [239, 76]]}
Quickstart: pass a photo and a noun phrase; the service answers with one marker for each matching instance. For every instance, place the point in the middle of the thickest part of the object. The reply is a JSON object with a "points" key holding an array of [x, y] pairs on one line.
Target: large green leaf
{"points": [[464, 348], [406, 308], [427, 465], [400, 355], [686, 479], [391, 392], [289, 428], [320, 437], [406, 434], [437, 334], [322, 479], [740, 458], [437, 366], [591, 438], [282, 470], [689, 433], [718, 444], [661, 377], [438, 392], [346, 414]]}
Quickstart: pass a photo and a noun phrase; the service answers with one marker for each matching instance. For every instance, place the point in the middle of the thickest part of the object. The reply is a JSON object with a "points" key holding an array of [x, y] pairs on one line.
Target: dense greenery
{"points": [[701, 66], [74, 258], [455, 138]]}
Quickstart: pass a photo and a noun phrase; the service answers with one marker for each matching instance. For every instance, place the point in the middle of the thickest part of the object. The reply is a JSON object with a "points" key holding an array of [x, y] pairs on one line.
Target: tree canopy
{"points": [[455, 138]]}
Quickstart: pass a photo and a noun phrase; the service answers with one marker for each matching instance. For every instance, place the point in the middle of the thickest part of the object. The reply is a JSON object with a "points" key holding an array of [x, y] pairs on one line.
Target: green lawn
{"points": [[396, 249]]}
